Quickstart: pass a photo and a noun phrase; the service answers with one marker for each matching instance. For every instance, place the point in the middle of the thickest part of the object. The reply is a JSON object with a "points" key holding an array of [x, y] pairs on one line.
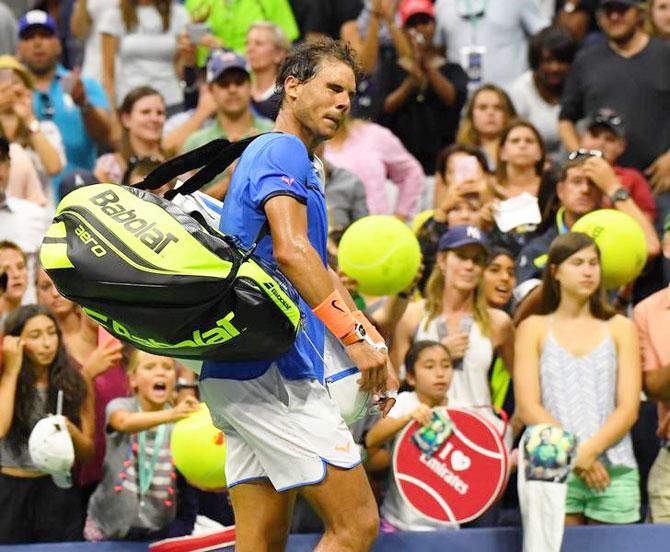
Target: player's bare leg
{"points": [[262, 516], [347, 507]]}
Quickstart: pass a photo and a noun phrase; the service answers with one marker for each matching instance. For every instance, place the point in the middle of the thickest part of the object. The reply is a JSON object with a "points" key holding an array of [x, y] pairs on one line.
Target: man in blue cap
{"points": [[78, 106], [229, 83]]}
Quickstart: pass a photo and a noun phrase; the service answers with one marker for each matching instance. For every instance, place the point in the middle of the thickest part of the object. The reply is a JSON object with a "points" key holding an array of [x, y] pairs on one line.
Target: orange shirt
{"points": [[652, 318]]}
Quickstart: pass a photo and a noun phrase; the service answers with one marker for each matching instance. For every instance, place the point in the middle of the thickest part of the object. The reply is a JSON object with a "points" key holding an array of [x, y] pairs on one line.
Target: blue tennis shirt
{"points": [[272, 165]]}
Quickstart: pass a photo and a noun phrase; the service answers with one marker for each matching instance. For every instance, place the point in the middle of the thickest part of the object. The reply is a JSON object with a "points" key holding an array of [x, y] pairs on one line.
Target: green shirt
{"points": [[230, 20], [213, 131]]}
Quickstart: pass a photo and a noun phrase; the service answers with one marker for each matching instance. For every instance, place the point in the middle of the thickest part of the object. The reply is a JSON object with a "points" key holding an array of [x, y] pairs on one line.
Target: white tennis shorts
{"points": [[279, 429]]}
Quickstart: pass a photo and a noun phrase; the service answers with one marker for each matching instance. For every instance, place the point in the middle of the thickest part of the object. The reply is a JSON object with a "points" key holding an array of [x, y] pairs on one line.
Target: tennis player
{"points": [[284, 433]]}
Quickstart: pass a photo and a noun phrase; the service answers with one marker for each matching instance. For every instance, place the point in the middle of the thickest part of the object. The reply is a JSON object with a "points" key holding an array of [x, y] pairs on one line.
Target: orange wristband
{"points": [[370, 328], [335, 315]]}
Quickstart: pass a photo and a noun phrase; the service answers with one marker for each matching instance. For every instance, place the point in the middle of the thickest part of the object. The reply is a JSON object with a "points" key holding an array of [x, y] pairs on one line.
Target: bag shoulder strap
{"points": [[212, 158]]}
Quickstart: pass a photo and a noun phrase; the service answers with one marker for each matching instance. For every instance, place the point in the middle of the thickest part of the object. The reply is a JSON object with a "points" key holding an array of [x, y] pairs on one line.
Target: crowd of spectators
{"points": [[462, 107]]}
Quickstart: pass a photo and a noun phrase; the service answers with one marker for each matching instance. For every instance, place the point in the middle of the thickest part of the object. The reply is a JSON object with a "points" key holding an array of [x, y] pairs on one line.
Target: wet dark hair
{"points": [[61, 376], [415, 352], [561, 248], [303, 62], [557, 41]]}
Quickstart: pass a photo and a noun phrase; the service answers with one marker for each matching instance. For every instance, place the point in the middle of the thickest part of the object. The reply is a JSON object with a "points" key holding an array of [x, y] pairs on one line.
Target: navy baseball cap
{"points": [[223, 60], [608, 118], [36, 18], [458, 236]]}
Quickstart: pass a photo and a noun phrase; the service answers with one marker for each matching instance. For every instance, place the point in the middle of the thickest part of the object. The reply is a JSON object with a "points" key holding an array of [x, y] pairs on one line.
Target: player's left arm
{"points": [[303, 266]]}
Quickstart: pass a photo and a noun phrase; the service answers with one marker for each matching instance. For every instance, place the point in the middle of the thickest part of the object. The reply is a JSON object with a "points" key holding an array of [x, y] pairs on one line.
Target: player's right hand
{"points": [[372, 364]]}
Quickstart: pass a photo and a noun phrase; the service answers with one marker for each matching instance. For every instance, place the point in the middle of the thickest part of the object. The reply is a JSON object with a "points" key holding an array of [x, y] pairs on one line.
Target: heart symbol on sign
{"points": [[459, 461]]}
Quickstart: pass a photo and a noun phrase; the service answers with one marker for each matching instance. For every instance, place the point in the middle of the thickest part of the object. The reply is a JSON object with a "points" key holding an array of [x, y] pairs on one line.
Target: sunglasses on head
{"points": [[582, 153]]}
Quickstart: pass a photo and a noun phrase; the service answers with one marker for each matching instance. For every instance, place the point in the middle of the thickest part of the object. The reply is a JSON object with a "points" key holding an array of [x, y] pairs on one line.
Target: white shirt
{"points": [[25, 224], [394, 508], [534, 108], [146, 55], [503, 31], [92, 66]]}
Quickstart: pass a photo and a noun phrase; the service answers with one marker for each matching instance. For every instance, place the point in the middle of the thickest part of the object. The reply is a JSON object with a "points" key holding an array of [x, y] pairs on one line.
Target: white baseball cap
{"points": [[51, 449]]}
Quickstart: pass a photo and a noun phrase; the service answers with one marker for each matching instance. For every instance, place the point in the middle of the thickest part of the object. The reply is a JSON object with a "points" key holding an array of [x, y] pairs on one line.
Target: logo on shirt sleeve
{"points": [[288, 180]]}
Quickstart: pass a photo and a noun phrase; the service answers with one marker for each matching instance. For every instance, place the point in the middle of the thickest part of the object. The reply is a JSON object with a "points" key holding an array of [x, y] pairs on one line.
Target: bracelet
{"points": [[336, 315]]}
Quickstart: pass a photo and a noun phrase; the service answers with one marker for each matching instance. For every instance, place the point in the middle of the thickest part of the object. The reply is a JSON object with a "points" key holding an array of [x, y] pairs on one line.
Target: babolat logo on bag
{"points": [[157, 278], [147, 232]]}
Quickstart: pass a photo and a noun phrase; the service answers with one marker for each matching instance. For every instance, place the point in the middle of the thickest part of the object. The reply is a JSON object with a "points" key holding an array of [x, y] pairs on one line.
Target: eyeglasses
{"points": [[47, 107], [581, 153]]}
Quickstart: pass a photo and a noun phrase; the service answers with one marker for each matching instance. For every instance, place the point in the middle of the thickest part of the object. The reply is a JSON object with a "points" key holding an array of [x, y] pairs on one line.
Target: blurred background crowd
{"points": [[462, 105]]}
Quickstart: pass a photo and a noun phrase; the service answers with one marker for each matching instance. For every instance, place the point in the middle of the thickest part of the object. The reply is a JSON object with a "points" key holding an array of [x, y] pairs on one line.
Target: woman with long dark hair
{"points": [[577, 366], [35, 368]]}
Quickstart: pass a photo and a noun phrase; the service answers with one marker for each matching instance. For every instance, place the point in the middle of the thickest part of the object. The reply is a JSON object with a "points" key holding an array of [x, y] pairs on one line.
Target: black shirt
{"points": [[424, 123], [638, 88]]}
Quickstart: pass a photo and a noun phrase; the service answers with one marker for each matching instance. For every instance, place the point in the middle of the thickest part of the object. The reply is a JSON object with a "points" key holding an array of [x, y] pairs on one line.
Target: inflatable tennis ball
{"points": [[199, 450], [381, 253], [623, 249]]}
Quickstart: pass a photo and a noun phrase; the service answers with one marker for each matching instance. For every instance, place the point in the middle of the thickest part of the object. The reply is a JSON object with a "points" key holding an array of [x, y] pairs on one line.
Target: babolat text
{"points": [[147, 232]]}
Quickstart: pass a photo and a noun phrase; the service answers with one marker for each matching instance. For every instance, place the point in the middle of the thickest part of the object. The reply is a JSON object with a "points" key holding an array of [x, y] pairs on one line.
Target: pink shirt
{"points": [[23, 181], [652, 318], [375, 154]]}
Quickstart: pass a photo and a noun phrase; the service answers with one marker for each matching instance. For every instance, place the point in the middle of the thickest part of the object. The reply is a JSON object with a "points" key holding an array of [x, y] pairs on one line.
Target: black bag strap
{"points": [[212, 158]]}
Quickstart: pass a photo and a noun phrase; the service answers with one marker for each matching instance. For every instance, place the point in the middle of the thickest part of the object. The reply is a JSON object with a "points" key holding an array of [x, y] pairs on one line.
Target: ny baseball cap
{"points": [[606, 117], [51, 449], [408, 8], [36, 18], [458, 236], [223, 60]]}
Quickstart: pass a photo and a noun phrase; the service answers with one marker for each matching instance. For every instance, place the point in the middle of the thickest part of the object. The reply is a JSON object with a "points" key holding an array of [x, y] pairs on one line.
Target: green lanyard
{"points": [[146, 473], [473, 18]]}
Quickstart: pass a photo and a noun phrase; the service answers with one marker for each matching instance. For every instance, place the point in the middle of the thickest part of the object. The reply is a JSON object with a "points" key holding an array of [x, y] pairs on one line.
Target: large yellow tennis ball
{"points": [[623, 249], [199, 450], [381, 253]]}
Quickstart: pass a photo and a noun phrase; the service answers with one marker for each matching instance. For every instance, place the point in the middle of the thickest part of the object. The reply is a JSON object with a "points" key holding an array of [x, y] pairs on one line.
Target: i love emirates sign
{"points": [[462, 479]]}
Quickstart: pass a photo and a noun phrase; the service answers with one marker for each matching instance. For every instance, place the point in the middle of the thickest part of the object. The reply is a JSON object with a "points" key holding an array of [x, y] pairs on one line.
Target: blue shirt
{"points": [[54, 105], [272, 165]]}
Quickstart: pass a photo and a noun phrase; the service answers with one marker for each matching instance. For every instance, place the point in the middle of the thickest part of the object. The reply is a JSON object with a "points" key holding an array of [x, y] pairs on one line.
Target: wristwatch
{"points": [[34, 126], [356, 335], [620, 195]]}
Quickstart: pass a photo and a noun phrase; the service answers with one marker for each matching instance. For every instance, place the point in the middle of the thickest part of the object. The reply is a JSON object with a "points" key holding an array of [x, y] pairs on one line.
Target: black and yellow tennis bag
{"points": [[162, 280]]}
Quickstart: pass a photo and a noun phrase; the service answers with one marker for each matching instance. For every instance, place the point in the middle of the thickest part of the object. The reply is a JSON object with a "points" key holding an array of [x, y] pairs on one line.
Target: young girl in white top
{"points": [[577, 366], [429, 372]]}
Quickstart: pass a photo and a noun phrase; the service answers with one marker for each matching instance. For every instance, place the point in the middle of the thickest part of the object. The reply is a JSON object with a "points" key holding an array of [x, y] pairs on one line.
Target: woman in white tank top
{"points": [[577, 366], [456, 314]]}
